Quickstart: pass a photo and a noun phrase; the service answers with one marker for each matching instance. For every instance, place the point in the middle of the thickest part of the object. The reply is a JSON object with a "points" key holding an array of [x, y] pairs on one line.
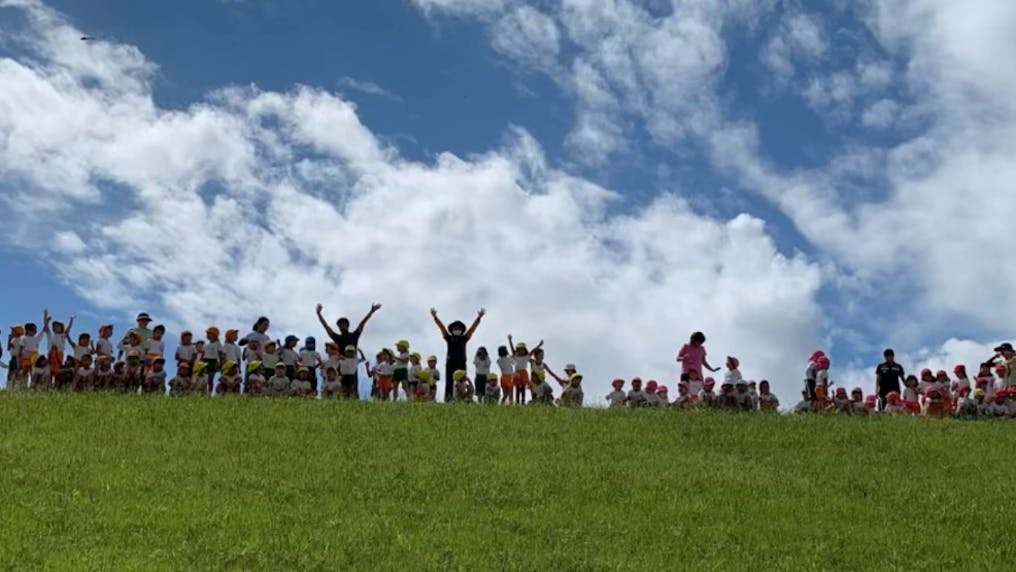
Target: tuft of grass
{"points": [[150, 483]]}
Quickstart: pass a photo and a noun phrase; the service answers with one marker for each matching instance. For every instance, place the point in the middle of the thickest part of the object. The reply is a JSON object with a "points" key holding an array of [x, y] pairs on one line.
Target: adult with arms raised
{"points": [[457, 336], [345, 337]]}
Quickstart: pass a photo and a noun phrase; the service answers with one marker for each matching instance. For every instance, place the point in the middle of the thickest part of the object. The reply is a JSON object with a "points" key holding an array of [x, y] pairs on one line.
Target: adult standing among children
{"points": [[258, 333], [1005, 355], [346, 337], [141, 329], [456, 336], [888, 377]]}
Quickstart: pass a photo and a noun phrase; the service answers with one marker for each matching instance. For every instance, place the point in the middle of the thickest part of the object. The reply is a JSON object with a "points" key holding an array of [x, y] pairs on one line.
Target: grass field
{"points": [[93, 481]]}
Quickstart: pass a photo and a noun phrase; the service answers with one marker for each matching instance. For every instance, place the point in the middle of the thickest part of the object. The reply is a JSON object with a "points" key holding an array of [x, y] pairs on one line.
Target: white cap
{"points": [[570, 366]]}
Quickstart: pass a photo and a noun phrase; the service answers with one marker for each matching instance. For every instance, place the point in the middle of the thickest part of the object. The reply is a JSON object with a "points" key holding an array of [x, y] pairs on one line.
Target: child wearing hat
{"points": [[199, 379], [212, 355], [1001, 377], [231, 350], [707, 397], [421, 388], [400, 372], [256, 382], [492, 389], [841, 404], [64, 377], [56, 337], [464, 389], [523, 359], [895, 404], [310, 358], [652, 400], [84, 347], [481, 361], [134, 372], [435, 376], [683, 399], [278, 384], [104, 345], [155, 379], [289, 355], [617, 397], [229, 381], [154, 347], [733, 374], [911, 395], [270, 356], [506, 364], [934, 403], [14, 377], [636, 397], [695, 385], [348, 366]]}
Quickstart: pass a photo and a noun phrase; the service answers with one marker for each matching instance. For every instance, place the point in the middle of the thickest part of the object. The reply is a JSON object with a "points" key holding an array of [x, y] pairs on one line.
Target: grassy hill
{"points": [[93, 481]]}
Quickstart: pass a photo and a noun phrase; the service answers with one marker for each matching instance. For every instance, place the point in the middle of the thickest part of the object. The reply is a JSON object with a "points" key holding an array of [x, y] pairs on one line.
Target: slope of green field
{"points": [[93, 481]]}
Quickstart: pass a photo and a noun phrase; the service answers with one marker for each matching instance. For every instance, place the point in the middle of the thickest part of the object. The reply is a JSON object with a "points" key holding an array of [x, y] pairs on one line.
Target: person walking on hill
{"points": [[888, 377], [457, 336]]}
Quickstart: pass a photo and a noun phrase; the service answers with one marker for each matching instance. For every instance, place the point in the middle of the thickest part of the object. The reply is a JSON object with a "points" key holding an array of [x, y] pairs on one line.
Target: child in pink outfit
{"points": [[692, 355]]}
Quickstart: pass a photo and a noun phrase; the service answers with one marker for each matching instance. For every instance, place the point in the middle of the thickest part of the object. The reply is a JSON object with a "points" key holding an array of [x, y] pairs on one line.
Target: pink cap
{"points": [[733, 361], [816, 355], [709, 382], [661, 389], [651, 385], [870, 400], [841, 391], [617, 383], [960, 369]]}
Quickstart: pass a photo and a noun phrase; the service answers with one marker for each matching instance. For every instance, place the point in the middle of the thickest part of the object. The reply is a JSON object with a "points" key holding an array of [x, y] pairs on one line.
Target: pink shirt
{"points": [[692, 358]]}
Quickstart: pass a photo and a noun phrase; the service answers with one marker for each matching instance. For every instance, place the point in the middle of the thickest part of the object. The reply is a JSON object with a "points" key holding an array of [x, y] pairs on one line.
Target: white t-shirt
{"points": [[309, 358], [250, 355], [186, 353], [104, 347], [482, 366], [333, 361], [732, 376], [81, 351], [57, 341], [288, 356], [232, 352], [383, 369], [413, 370], [435, 375], [347, 366], [403, 361], [506, 364], [212, 351], [521, 363], [269, 360], [154, 346], [616, 398], [30, 344]]}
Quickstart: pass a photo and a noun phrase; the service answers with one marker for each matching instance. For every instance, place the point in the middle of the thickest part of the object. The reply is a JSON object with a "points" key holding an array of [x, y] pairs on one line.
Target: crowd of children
{"points": [[256, 365]]}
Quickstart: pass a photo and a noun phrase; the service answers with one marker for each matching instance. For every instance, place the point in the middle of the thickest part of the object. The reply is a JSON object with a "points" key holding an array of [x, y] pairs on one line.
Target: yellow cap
{"points": [[491, 377], [459, 375], [228, 365], [199, 367], [253, 366], [423, 375], [431, 358], [402, 344], [415, 355]]}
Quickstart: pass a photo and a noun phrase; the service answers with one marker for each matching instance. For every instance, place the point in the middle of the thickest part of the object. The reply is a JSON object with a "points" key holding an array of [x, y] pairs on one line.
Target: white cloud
{"points": [[799, 37], [68, 242], [880, 114], [368, 87], [529, 36], [219, 213]]}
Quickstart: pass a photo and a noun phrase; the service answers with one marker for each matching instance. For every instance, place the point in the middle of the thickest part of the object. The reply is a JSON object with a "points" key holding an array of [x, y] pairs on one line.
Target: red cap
{"points": [[816, 355], [960, 369], [841, 391], [733, 362], [870, 400], [857, 390], [925, 372], [1000, 368], [651, 385], [709, 382], [618, 382], [941, 373]]}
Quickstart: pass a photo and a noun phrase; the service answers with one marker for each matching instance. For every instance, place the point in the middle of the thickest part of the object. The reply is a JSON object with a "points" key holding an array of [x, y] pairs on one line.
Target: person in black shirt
{"points": [[456, 335], [888, 376], [344, 337]]}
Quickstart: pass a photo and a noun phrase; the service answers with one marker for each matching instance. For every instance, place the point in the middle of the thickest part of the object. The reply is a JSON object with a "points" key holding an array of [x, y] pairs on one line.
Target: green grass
{"points": [[94, 481]]}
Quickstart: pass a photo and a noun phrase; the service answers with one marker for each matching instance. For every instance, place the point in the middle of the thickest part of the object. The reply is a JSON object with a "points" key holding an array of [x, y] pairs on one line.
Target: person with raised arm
{"points": [[346, 337], [456, 335]]}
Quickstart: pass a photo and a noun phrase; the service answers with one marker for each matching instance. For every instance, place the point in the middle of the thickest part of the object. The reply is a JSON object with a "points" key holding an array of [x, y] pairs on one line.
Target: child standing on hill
{"points": [[435, 376], [692, 355], [347, 368], [506, 364], [212, 355], [733, 375], [231, 351], [810, 374], [400, 372], [289, 355], [617, 397], [270, 356], [911, 395], [185, 350], [821, 388], [482, 364], [14, 347], [383, 374], [56, 335], [103, 346], [83, 347], [154, 347], [310, 358], [30, 343]]}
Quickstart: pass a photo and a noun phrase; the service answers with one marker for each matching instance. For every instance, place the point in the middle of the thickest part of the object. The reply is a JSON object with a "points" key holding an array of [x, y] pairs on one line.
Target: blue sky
{"points": [[813, 120]]}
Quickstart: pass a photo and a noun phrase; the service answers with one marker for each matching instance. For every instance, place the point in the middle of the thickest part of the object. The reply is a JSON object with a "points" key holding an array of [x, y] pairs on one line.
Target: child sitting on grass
{"points": [[181, 383], [934, 403], [707, 397], [662, 396], [895, 404], [103, 377], [256, 382], [652, 400], [84, 377], [636, 397], [199, 379], [572, 395], [683, 400], [301, 385], [278, 384], [229, 381], [64, 377], [617, 397], [331, 388], [421, 389], [155, 380], [492, 390], [766, 400], [463, 386]]}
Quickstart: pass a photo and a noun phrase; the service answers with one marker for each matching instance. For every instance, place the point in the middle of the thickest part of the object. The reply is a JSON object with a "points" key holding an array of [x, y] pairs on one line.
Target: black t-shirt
{"points": [[890, 376], [351, 338], [457, 348]]}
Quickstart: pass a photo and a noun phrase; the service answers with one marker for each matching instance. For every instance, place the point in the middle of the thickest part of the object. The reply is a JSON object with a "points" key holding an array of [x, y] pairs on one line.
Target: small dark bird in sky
{"points": [[88, 38]]}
